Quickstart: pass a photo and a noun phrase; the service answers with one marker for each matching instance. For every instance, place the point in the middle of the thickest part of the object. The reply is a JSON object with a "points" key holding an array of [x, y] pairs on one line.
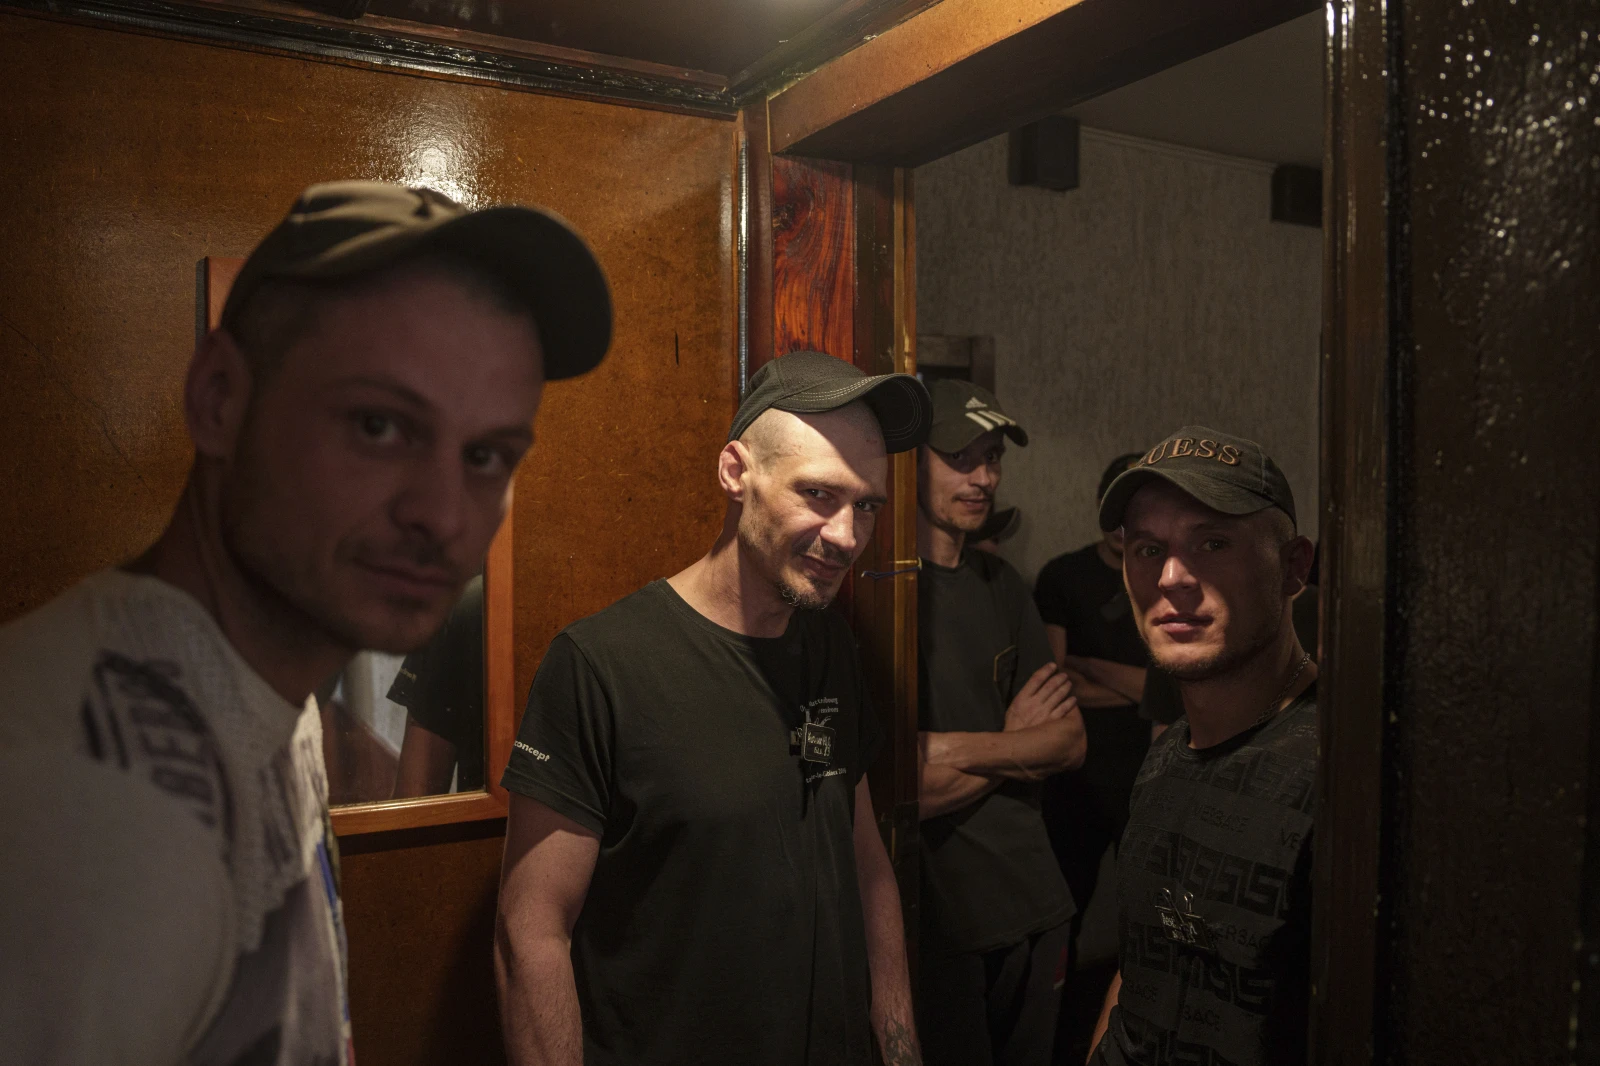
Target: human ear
{"points": [[733, 463], [216, 394], [1297, 556]]}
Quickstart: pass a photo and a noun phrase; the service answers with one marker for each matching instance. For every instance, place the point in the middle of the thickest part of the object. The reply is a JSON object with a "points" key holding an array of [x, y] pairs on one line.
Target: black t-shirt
{"points": [[441, 686], [723, 922], [1084, 596], [1085, 809], [1214, 886], [989, 878]]}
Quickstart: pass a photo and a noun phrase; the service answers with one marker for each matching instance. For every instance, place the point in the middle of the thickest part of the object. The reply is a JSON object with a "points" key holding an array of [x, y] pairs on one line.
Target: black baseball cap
{"points": [[1226, 473], [1114, 471], [342, 229], [963, 412], [812, 382]]}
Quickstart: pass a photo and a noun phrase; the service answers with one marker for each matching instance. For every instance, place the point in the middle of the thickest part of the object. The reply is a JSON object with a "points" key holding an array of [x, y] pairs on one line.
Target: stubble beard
{"points": [[287, 593], [802, 597], [1225, 660]]}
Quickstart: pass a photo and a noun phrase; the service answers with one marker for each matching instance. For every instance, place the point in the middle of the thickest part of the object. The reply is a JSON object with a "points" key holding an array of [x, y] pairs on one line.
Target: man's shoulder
{"points": [[645, 610], [1068, 566], [995, 570], [47, 658]]}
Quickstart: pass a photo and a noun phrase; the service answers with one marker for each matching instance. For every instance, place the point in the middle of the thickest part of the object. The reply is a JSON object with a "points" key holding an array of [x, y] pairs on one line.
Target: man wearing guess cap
{"points": [[170, 882], [693, 873], [1214, 871], [997, 717]]}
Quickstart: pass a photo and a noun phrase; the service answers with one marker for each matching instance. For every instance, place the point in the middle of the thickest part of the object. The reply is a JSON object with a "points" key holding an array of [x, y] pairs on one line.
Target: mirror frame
{"points": [[216, 274]]}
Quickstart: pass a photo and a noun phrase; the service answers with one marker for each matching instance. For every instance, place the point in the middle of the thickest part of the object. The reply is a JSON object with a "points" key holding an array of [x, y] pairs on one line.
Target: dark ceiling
{"points": [[719, 36]]}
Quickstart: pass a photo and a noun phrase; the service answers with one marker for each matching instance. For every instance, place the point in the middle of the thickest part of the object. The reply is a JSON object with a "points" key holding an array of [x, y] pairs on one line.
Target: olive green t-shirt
{"points": [[989, 876], [723, 923]]}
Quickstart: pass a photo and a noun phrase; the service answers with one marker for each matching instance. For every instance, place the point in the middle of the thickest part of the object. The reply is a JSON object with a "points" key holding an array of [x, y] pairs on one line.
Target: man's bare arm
{"points": [[1104, 1023], [1119, 677], [942, 789], [1030, 754], [1090, 693], [549, 860], [892, 1020]]}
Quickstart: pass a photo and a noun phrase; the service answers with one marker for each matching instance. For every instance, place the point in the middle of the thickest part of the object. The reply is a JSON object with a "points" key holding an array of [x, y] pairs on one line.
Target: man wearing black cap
{"points": [[169, 878], [1214, 872], [997, 717], [693, 873]]}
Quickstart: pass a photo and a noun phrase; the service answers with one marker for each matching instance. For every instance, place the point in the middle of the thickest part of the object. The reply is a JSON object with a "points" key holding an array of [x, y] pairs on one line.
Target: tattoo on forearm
{"points": [[899, 1044]]}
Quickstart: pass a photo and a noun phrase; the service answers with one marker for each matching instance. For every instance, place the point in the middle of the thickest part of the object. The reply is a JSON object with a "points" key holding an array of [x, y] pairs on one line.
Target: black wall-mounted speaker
{"points": [[1045, 154], [1297, 195]]}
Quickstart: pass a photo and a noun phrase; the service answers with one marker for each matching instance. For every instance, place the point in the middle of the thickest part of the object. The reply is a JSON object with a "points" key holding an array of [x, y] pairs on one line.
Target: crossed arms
{"points": [[1043, 735]]}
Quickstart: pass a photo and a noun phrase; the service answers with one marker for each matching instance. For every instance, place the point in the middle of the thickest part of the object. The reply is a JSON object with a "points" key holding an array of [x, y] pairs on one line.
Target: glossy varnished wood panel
{"points": [[130, 158], [813, 247], [962, 71]]}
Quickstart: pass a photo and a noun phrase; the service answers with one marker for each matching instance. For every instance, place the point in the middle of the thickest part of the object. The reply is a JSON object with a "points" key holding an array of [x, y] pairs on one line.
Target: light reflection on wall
{"points": [[439, 163]]}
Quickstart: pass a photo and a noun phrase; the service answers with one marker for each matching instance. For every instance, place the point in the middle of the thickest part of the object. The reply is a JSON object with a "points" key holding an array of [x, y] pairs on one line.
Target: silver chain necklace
{"points": [[1272, 708]]}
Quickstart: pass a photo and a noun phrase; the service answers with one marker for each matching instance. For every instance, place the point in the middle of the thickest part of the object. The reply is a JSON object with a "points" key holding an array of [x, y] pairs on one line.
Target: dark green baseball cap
{"points": [[1226, 473], [813, 382], [342, 229], [963, 412]]}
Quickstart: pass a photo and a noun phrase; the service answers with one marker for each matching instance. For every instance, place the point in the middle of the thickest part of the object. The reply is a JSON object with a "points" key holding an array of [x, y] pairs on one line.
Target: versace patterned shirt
{"points": [[1214, 890]]}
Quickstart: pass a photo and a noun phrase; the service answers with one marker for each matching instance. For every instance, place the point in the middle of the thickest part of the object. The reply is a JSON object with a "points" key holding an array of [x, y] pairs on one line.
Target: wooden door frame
{"points": [[966, 70]]}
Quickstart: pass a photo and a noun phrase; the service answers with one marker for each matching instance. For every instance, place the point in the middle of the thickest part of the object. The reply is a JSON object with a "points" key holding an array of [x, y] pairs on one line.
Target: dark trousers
{"points": [[992, 1008]]}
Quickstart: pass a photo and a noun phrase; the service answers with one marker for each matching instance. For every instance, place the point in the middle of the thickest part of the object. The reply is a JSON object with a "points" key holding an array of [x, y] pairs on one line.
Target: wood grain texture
{"points": [[965, 70], [884, 610], [758, 236], [1355, 541], [131, 157], [813, 249]]}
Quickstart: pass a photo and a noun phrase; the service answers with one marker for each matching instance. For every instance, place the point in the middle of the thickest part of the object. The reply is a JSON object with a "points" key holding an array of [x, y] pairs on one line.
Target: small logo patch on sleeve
{"points": [[531, 750]]}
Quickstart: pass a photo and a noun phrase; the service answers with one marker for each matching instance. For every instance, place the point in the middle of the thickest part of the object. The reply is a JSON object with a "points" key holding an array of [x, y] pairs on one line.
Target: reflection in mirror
{"points": [[399, 726]]}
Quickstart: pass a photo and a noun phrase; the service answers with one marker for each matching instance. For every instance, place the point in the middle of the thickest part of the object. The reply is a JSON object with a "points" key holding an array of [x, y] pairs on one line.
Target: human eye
{"points": [[490, 461], [1213, 544], [1146, 551], [376, 427], [815, 494], [868, 506]]}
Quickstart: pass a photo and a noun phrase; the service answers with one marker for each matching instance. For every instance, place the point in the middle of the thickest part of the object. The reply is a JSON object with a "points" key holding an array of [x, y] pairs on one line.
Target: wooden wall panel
{"points": [[813, 248], [129, 158]]}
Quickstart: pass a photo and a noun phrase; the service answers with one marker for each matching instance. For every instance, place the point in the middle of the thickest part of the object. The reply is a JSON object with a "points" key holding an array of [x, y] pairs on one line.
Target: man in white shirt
{"points": [[168, 876]]}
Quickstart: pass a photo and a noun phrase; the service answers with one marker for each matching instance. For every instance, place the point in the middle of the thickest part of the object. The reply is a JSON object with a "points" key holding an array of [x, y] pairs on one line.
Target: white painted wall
{"points": [[1157, 294]]}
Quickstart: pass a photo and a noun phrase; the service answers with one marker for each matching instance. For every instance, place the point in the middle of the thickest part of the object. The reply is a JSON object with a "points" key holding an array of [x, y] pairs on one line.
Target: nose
{"points": [[840, 531], [986, 476], [433, 501], [1175, 574]]}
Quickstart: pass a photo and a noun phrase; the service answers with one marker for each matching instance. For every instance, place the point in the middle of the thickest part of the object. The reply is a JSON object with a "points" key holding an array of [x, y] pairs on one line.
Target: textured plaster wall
{"points": [[1156, 294]]}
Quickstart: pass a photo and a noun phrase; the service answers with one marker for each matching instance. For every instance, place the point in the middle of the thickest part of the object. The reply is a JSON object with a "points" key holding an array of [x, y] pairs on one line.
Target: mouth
{"points": [[1180, 626], [821, 569], [973, 503], [410, 582]]}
